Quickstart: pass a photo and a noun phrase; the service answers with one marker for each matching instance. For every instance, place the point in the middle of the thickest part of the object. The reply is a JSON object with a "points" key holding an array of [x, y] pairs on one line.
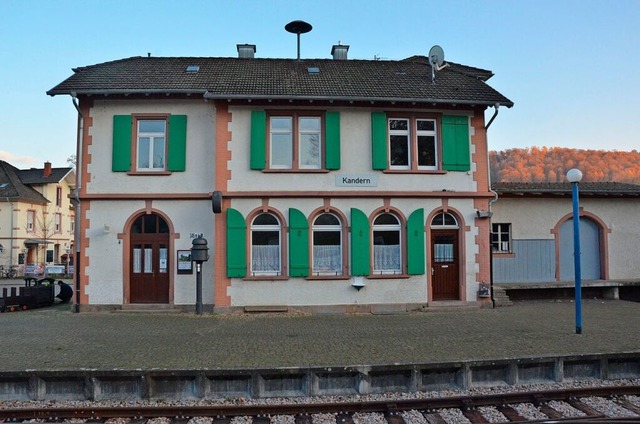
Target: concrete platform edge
{"points": [[156, 384]]}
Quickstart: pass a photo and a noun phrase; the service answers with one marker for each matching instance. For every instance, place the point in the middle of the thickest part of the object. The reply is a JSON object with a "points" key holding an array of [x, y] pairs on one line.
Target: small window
{"points": [[387, 252], [327, 245], [57, 223], [501, 238], [266, 242], [295, 142], [58, 196], [413, 144], [31, 218], [151, 146]]}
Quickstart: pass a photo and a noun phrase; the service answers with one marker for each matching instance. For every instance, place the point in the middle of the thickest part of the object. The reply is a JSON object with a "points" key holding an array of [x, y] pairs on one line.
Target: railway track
{"points": [[622, 404]]}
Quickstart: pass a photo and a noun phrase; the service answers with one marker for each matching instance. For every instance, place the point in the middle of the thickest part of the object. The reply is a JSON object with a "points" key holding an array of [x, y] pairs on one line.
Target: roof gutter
{"points": [[208, 95]]}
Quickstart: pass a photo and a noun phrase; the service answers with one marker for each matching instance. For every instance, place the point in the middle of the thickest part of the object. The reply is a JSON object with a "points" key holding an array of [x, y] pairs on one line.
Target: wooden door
{"points": [[445, 265], [149, 274]]}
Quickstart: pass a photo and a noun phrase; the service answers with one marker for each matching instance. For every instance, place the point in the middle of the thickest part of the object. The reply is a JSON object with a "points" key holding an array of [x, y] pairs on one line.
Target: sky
{"points": [[572, 67]]}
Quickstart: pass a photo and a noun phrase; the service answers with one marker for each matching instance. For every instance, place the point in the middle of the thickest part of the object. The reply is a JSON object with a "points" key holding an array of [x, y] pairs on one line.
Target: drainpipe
{"points": [[491, 202], [11, 233], [76, 195]]}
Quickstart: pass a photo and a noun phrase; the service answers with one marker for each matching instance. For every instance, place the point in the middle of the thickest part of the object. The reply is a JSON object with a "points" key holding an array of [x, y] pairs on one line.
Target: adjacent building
{"points": [[343, 185], [532, 238], [36, 218]]}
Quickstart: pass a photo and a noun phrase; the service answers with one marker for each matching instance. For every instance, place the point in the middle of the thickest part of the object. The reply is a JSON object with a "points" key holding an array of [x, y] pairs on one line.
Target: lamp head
{"points": [[574, 175]]}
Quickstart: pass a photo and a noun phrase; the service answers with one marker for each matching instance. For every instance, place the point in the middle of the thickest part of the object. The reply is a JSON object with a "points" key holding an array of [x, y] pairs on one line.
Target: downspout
{"points": [[491, 202], [11, 233], [76, 196]]}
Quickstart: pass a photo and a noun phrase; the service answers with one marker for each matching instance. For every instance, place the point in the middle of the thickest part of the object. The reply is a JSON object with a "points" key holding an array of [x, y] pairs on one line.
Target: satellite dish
{"points": [[298, 27], [436, 55], [436, 59]]}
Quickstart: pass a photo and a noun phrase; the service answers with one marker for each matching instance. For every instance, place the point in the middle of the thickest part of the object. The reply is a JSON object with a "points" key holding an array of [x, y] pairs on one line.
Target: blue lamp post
{"points": [[574, 176]]}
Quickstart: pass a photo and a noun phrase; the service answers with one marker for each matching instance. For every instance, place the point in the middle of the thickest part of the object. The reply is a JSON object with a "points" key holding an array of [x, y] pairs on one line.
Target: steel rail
{"points": [[464, 403]]}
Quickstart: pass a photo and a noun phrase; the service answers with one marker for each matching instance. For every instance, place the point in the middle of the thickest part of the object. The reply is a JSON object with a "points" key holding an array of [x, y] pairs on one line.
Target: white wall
{"points": [[200, 159], [105, 251]]}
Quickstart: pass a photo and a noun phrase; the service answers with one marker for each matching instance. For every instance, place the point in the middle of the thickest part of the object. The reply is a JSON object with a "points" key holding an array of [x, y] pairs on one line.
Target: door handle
{"points": [[433, 271]]}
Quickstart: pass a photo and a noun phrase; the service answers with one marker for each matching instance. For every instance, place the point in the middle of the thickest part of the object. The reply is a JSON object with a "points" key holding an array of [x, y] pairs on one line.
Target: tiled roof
{"points": [[36, 175], [12, 188], [235, 78], [590, 189]]}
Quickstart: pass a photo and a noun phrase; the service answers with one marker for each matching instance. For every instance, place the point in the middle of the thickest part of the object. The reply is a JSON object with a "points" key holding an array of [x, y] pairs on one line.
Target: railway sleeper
{"points": [[625, 403], [344, 418], [511, 413], [591, 412], [304, 419], [433, 418], [475, 416], [393, 417], [549, 411]]}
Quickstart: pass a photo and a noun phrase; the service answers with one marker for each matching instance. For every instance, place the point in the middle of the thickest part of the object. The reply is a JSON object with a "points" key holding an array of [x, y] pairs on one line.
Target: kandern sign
{"points": [[356, 180]]}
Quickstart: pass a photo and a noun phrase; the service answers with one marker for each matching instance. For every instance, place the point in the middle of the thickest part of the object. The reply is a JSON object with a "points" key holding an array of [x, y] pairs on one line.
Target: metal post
{"points": [[198, 288], [576, 256]]}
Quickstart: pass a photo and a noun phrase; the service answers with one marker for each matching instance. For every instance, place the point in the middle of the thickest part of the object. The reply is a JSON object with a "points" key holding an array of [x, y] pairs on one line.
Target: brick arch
{"points": [[603, 240]]}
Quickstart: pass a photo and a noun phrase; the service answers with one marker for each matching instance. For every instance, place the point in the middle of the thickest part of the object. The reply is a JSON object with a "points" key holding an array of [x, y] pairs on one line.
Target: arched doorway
{"points": [[149, 271], [589, 250], [445, 257]]}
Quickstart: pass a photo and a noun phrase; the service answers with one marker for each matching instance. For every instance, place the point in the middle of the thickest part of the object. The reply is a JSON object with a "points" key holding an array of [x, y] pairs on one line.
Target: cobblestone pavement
{"points": [[55, 338]]}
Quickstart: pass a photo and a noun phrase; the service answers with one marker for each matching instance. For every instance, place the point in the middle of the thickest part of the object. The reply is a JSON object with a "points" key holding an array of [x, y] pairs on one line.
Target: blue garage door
{"points": [[589, 246]]}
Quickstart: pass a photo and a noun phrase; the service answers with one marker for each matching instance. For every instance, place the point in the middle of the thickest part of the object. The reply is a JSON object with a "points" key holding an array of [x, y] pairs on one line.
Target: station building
{"points": [[346, 185]]}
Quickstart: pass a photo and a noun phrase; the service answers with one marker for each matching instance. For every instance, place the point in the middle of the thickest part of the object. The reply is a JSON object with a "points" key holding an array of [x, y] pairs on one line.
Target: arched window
{"points": [[387, 252], [444, 219], [266, 244], [327, 245]]}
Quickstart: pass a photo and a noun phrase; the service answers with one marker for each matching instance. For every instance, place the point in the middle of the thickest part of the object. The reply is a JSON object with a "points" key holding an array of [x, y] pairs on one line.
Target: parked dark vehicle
{"points": [[34, 294]]}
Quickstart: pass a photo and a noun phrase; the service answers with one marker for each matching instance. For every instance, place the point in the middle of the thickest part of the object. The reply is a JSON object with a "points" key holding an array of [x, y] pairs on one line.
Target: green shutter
{"points": [[415, 243], [332, 140], [298, 244], [258, 139], [121, 155], [177, 149], [360, 243], [379, 140], [236, 244], [455, 143]]}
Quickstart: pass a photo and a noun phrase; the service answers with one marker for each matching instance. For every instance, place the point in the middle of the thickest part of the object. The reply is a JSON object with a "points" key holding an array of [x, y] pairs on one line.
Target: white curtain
{"points": [[137, 260], [327, 259], [386, 258], [443, 252], [265, 258]]}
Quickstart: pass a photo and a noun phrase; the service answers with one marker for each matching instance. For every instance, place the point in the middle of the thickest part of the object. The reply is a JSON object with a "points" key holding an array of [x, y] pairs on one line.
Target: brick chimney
{"points": [[47, 169]]}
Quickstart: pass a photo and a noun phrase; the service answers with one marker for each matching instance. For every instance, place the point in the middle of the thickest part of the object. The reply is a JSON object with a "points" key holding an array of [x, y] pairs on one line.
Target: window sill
{"points": [[296, 171], [137, 173], [266, 278], [327, 277], [503, 255], [414, 171], [386, 276]]}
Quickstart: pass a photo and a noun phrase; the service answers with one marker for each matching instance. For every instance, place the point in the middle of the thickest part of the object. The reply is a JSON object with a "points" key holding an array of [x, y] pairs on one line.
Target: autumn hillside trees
{"points": [[550, 164]]}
